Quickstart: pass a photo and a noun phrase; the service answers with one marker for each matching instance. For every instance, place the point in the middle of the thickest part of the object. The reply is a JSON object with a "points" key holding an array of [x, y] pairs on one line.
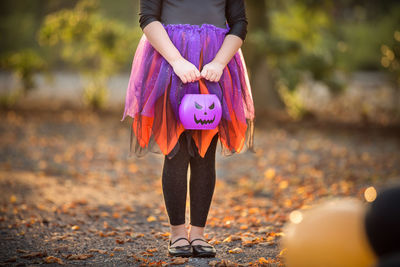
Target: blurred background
{"points": [[336, 60], [325, 77]]}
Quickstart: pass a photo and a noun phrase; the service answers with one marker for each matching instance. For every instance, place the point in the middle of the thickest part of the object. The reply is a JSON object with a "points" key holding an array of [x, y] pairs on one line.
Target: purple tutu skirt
{"points": [[155, 91]]}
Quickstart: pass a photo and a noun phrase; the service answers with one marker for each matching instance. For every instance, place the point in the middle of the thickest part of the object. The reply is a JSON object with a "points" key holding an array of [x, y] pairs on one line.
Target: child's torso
{"points": [[195, 12]]}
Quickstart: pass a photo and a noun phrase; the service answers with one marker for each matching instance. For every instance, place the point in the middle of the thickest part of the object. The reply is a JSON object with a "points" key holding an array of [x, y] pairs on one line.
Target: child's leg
{"points": [[174, 183], [202, 184]]}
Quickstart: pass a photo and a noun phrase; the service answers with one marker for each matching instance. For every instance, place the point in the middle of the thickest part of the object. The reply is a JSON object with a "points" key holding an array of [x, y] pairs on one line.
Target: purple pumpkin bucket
{"points": [[200, 111]]}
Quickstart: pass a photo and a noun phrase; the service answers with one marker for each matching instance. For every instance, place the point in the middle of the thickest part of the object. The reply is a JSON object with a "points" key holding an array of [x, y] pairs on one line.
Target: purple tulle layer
{"points": [[154, 93]]}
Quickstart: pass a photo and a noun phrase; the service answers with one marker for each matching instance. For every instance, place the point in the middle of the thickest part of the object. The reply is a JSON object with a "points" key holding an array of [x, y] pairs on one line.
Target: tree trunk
{"points": [[261, 76]]}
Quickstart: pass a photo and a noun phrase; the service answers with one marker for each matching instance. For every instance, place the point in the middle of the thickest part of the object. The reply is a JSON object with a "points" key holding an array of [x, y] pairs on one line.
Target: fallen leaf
{"points": [[145, 253], [235, 250], [34, 254], [151, 218], [79, 256], [283, 251], [13, 199], [52, 259], [101, 251], [263, 260], [244, 227], [119, 241], [232, 238], [284, 184], [269, 173], [179, 260]]}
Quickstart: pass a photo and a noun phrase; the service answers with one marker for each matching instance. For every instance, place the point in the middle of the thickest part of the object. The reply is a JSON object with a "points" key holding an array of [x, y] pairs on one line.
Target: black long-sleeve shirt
{"points": [[197, 12]]}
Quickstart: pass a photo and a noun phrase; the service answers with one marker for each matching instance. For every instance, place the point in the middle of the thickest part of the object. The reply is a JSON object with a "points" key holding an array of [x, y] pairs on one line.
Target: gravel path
{"points": [[70, 195]]}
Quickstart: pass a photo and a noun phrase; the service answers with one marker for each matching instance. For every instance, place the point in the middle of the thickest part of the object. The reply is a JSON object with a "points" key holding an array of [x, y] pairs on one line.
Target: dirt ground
{"points": [[69, 193]]}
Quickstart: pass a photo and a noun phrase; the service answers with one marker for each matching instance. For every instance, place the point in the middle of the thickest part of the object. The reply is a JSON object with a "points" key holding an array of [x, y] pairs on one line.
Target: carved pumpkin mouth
{"points": [[202, 122]]}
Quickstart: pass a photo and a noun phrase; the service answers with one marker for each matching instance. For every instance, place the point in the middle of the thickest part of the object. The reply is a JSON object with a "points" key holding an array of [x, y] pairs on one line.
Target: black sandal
{"points": [[180, 251], [202, 250]]}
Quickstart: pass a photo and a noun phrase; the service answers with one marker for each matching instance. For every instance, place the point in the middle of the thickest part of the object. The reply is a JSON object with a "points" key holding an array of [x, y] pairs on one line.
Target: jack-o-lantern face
{"points": [[204, 118], [200, 111]]}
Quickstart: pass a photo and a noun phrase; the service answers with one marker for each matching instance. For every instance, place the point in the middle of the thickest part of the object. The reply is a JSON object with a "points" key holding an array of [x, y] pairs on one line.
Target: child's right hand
{"points": [[185, 70]]}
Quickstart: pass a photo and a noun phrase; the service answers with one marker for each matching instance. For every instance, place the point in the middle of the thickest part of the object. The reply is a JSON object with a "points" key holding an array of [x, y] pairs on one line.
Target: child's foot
{"points": [[196, 232], [180, 251], [178, 231], [181, 242], [201, 248]]}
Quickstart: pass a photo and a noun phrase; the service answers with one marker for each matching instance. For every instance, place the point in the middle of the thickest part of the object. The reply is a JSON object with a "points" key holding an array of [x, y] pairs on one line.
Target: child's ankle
{"points": [[178, 230], [196, 231]]}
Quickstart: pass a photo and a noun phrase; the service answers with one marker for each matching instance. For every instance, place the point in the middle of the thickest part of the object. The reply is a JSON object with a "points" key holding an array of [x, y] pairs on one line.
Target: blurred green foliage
{"points": [[322, 39], [94, 45], [307, 37], [23, 64], [21, 19], [391, 56], [296, 46], [362, 37]]}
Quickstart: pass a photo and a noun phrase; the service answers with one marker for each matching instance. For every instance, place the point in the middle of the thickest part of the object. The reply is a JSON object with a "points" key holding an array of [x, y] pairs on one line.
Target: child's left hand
{"points": [[212, 71]]}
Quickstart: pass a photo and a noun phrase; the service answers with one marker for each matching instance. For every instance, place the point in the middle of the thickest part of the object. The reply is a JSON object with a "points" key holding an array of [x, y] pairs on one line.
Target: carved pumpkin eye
{"points": [[198, 106], [212, 106]]}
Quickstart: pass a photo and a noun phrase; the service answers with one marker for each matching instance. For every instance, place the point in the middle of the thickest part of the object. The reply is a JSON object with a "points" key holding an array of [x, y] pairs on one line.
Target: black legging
{"points": [[201, 184]]}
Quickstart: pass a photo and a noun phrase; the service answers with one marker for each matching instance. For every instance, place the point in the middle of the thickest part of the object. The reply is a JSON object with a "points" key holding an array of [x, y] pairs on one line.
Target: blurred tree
{"points": [[263, 78], [391, 56], [95, 45], [23, 64], [287, 40], [391, 61], [295, 39], [20, 19], [291, 39], [125, 11]]}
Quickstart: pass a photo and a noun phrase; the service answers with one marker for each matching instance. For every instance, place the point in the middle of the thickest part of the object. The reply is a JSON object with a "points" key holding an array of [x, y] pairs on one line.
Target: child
{"points": [[185, 43]]}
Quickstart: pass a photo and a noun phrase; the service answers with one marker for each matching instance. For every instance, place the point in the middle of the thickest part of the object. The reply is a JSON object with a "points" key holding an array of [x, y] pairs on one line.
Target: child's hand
{"points": [[212, 71], [185, 70]]}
